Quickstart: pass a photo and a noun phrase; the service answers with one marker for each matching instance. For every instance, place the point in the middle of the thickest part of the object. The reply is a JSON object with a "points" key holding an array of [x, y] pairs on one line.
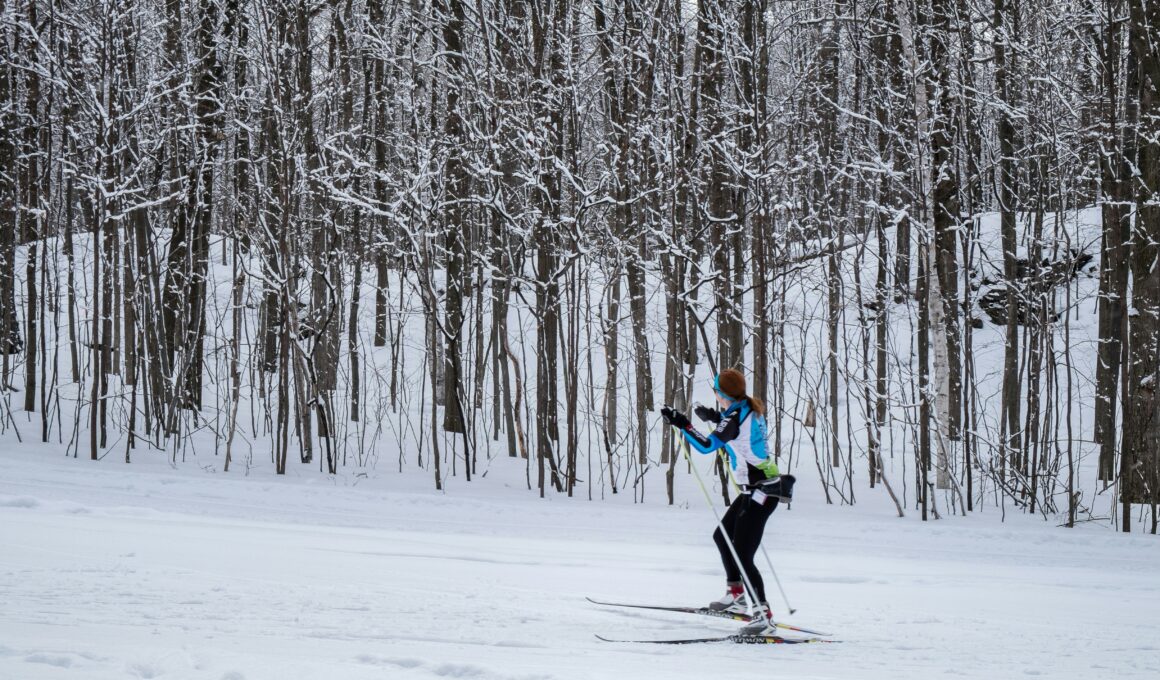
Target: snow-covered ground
{"points": [[147, 571]]}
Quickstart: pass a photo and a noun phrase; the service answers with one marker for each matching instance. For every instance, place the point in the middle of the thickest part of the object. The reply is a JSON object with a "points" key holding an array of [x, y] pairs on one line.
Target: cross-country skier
{"points": [[740, 432]]}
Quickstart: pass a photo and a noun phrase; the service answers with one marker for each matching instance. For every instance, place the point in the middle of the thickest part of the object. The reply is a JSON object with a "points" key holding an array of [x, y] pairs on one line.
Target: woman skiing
{"points": [[740, 432]]}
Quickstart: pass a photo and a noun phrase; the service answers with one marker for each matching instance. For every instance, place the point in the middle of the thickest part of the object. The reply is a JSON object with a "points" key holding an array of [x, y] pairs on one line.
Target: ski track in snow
{"points": [[145, 571]]}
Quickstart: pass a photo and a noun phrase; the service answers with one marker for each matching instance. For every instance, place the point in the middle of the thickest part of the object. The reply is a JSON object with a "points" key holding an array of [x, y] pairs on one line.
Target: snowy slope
{"points": [[144, 571]]}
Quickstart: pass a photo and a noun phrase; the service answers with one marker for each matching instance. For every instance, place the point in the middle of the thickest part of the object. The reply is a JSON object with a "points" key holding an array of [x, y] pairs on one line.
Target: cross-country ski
{"points": [[736, 638], [705, 611]]}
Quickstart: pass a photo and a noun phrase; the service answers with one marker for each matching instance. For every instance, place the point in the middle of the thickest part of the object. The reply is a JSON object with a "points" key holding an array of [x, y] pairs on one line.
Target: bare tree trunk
{"points": [[894, 10], [433, 362], [1140, 457], [885, 61], [1010, 406], [1116, 158], [755, 89], [453, 215], [830, 224], [944, 223], [721, 209], [10, 340], [611, 432], [35, 208]]}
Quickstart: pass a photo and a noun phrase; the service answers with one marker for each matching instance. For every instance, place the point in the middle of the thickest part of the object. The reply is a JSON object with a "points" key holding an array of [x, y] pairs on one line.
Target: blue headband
{"points": [[717, 389]]}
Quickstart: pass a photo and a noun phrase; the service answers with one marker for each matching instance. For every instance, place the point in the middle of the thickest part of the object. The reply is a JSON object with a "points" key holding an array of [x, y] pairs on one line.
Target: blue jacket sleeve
{"points": [[726, 431]]}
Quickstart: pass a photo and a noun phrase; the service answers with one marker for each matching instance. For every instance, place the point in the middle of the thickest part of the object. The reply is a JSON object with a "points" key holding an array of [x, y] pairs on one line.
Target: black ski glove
{"points": [[675, 418], [709, 415]]}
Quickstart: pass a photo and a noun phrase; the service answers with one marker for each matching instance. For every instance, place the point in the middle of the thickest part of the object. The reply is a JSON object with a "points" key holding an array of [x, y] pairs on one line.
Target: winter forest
{"points": [[365, 339], [403, 235]]}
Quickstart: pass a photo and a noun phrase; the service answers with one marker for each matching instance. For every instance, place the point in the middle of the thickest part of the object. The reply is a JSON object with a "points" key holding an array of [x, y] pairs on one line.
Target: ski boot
{"points": [[733, 601], [762, 622]]}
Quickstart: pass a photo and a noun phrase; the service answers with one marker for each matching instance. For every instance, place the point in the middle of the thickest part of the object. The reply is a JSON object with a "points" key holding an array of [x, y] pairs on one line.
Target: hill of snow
{"points": [[148, 571]]}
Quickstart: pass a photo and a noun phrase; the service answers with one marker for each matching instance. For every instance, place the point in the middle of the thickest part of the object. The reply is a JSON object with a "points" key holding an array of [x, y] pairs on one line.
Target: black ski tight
{"points": [[745, 524]]}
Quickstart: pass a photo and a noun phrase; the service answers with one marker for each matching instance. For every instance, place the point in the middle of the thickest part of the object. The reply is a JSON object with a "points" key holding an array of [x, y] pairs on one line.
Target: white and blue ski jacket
{"points": [[741, 432]]}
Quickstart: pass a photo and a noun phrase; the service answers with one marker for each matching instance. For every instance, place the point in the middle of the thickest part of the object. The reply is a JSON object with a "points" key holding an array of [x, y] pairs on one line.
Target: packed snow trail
{"points": [[144, 571]]}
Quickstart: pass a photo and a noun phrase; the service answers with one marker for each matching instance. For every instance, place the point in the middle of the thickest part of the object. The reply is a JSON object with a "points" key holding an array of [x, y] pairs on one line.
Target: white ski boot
{"points": [[733, 601], [762, 622]]}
